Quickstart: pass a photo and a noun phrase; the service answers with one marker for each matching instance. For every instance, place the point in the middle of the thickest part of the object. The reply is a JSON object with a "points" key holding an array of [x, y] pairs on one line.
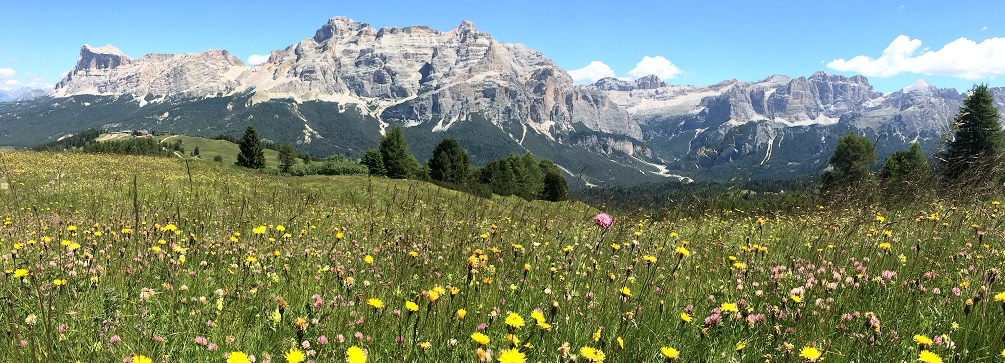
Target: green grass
{"points": [[208, 149], [216, 252]]}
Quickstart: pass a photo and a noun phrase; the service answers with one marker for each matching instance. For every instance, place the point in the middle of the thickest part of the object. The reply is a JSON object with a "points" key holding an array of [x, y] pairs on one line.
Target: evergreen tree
{"points": [[500, 177], [533, 177], [978, 137], [449, 163], [307, 158], [398, 162], [853, 160], [196, 151], [286, 156], [555, 187], [906, 165], [374, 162], [252, 155]]}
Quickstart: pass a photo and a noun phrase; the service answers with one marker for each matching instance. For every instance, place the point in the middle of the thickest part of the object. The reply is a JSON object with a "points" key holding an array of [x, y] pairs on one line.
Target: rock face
{"points": [[781, 120], [432, 81], [106, 71], [410, 75]]}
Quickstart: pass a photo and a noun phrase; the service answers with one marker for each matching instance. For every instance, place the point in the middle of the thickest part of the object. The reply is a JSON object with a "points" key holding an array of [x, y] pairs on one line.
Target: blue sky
{"points": [[695, 42]]}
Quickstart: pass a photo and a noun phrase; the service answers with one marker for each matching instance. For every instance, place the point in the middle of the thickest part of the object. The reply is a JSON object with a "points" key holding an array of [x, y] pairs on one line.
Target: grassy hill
{"points": [[110, 257], [208, 149]]}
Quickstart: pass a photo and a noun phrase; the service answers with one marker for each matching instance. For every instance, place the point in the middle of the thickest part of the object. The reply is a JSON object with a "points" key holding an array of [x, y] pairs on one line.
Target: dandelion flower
{"points": [[922, 340], [683, 252], [740, 346], [929, 357], [729, 307], [368, 259], [626, 292], [810, 353], [685, 317], [294, 356], [480, 338], [670, 352], [355, 355], [512, 356], [21, 272], [375, 302], [514, 320], [592, 354], [238, 357], [411, 306], [461, 313], [433, 295], [1000, 297], [797, 299], [142, 359]]}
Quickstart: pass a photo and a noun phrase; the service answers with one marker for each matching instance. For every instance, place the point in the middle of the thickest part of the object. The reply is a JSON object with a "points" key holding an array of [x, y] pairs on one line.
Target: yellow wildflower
{"points": [[670, 352], [355, 355], [294, 356], [810, 353], [929, 357], [514, 320], [480, 338]]}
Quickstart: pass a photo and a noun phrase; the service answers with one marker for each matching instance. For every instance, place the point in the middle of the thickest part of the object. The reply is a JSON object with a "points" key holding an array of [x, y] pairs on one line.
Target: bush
{"points": [[329, 167]]}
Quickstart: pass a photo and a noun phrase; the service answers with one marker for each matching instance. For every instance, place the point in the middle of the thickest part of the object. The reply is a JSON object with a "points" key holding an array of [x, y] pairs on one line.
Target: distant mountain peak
{"points": [[107, 49], [920, 85]]}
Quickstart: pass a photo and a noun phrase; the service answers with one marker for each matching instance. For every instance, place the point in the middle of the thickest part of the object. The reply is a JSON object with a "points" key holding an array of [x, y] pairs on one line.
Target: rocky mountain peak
{"points": [[96, 58], [919, 86], [339, 27], [649, 82]]}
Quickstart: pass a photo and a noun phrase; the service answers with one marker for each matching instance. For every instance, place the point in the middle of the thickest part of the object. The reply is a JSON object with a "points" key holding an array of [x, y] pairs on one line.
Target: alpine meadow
{"points": [[408, 194]]}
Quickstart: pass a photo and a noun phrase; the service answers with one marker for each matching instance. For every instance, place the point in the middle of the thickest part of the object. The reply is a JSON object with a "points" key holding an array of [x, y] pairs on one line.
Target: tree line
{"points": [[525, 176], [969, 160]]}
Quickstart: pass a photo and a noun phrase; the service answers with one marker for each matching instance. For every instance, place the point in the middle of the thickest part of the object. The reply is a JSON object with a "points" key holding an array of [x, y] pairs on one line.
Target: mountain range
{"points": [[339, 90]]}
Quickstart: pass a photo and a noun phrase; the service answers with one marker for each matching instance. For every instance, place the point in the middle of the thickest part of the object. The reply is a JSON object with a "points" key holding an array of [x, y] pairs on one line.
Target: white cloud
{"points": [[12, 82], [256, 59], [7, 73], [657, 65], [591, 73], [962, 58]]}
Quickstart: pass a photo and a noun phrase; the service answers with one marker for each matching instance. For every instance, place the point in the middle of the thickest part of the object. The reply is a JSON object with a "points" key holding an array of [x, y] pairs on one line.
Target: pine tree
{"points": [[853, 160], [252, 154], [398, 162], [449, 163], [286, 157], [978, 137], [906, 166], [555, 187]]}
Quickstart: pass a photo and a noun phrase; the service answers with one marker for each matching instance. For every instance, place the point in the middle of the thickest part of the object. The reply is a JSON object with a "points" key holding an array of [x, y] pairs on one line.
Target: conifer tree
{"points": [[978, 137], [286, 157], [449, 163], [398, 162], [853, 160], [252, 154]]}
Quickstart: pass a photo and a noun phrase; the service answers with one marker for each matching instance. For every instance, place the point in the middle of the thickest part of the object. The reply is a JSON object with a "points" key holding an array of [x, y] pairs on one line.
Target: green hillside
{"points": [[209, 149]]}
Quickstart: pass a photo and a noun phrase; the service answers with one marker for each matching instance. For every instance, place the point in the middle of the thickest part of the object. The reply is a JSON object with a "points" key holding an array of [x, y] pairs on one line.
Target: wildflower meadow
{"points": [[145, 259]]}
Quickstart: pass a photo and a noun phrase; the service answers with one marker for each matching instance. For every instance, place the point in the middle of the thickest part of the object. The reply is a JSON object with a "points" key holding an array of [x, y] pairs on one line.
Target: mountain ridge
{"points": [[338, 90]]}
